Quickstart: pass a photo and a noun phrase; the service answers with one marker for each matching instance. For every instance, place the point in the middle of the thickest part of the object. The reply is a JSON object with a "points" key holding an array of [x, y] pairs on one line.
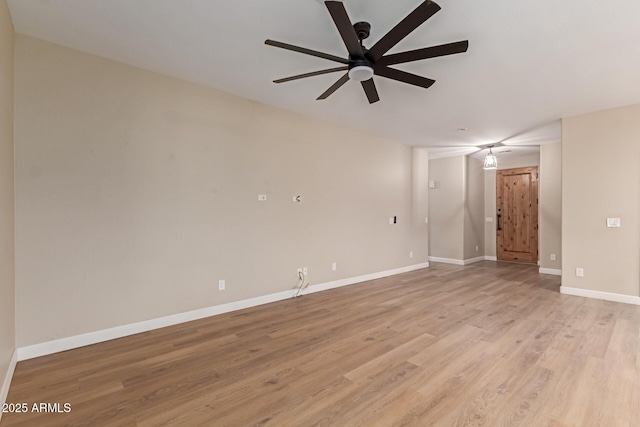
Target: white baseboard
{"points": [[553, 271], [446, 260], [353, 280], [490, 258], [472, 260], [458, 261], [63, 344], [627, 299], [4, 391]]}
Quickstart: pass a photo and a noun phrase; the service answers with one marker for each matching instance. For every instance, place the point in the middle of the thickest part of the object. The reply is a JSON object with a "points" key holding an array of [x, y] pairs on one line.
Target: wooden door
{"points": [[517, 214]]}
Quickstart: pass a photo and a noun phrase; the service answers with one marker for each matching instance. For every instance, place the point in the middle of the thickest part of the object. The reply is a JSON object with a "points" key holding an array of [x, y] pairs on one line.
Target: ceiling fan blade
{"points": [[334, 87], [370, 90], [314, 73], [306, 51], [343, 23], [425, 53], [412, 21], [404, 77]]}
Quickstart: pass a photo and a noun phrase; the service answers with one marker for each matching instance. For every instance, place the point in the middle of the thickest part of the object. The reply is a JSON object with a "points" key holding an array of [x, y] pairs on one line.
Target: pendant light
{"points": [[490, 162]]}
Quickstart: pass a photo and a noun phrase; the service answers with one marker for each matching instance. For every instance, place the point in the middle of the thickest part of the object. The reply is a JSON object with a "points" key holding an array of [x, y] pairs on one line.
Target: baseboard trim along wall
{"points": [[553, 271], [627, 299], [4, 391], [461, 261], [446, 260], [63, 344]]}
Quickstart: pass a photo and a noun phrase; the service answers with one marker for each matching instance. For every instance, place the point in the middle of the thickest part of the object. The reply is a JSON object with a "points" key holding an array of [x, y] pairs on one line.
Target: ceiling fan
{"points": [[362, 63]]}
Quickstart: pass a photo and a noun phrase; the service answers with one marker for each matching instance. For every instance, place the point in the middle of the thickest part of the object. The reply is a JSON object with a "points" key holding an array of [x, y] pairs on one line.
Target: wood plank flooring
{"points": [[489, 344]]}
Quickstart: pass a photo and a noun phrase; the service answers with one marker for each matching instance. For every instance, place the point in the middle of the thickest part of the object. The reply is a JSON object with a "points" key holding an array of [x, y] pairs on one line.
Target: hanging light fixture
{"points": [[490, 162]]}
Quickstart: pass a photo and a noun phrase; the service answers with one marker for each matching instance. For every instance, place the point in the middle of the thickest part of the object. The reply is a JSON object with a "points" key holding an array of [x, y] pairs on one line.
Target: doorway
{"points": [[517, 214]]}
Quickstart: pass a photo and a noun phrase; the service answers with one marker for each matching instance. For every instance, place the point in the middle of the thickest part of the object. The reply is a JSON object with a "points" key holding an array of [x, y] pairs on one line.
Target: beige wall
{"points": [[446, 207], [420, 191], [550, 192], [600, 179], [474, 209], [456, 208], [7, 289], [490, 195], [136, 193]]}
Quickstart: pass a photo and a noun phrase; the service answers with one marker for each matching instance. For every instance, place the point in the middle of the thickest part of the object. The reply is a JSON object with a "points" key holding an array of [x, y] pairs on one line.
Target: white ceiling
{"points": [[529, 63]]}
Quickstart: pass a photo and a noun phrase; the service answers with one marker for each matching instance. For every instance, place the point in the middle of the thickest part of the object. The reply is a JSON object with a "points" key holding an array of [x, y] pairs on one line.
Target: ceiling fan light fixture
{"points": [[490, 161], [361, 73]]}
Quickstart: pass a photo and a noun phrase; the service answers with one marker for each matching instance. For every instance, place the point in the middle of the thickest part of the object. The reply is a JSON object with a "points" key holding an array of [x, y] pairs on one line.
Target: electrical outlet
{"points": [[305, 271], [334, 266], [391, 220], [262, 197], [477, 248], [221, 285], [410, 254], [552, 257], [580, 272]]}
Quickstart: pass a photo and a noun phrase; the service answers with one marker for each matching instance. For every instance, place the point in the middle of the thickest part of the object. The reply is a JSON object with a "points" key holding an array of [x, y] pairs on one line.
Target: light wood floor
{"points": [[489, 344]]}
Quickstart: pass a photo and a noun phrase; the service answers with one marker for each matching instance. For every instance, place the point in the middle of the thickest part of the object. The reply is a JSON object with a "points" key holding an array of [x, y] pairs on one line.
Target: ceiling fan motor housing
{"points": [[361, 69]]}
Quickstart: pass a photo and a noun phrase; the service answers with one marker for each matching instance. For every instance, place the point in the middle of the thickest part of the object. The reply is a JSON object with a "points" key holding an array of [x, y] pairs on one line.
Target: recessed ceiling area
{"points": [[528, 64]]}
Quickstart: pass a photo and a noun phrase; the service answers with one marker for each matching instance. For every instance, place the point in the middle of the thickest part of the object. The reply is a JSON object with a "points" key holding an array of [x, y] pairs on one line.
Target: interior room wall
{"points": [[490, 195], [550, 192], [7, 289], [136, 193], [600, 180], [446, 207], [474, 209], [420, 193]]}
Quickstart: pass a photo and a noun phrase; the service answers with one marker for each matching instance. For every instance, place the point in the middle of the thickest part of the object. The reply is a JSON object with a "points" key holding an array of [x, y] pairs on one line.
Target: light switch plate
{"points": [[613, 222]]}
